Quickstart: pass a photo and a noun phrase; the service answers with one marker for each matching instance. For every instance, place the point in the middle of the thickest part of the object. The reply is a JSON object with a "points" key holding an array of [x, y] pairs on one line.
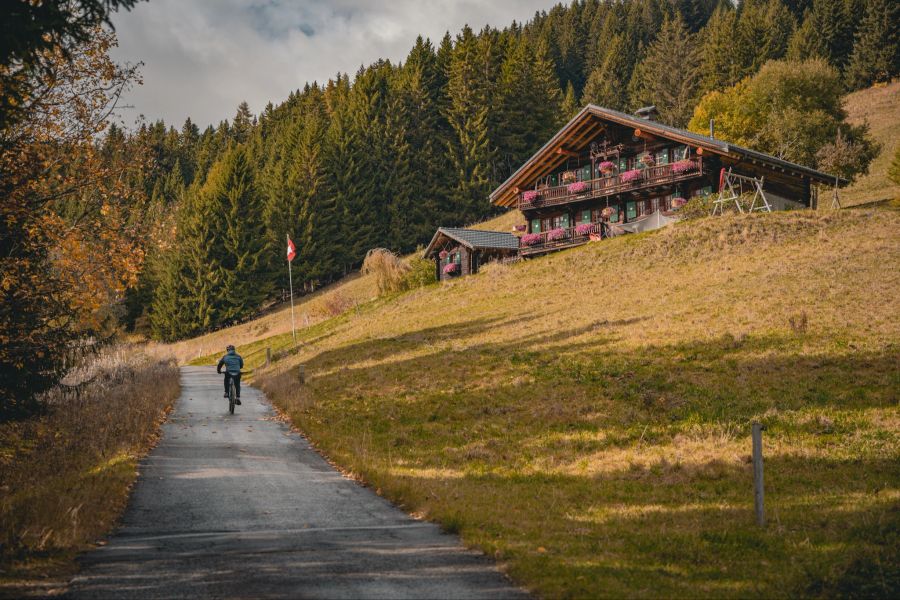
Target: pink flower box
{"points": [[683, 166], [584, 229], [631, 176], [607, 167], [530, 239], [578, 187], [451, 268], [530, 196], [555, 235], [443, 254]]}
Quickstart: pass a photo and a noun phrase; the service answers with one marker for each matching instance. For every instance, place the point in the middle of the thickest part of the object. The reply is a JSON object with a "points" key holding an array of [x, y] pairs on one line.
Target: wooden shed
{"points": [[458, 252]]}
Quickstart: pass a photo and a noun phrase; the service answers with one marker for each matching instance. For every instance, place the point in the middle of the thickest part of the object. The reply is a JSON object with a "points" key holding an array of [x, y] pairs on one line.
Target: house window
{"points": [[554, 180], [623, 164], [631, 210], [662, 156], [584, 173], [614, 217], [639, 160], [679, 153], [585, 216], [564, 221], [457, 258], [535, 226]]}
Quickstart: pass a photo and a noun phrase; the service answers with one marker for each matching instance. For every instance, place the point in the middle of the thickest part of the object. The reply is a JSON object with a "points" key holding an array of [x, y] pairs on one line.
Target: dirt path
{"points": [[239, 506]]}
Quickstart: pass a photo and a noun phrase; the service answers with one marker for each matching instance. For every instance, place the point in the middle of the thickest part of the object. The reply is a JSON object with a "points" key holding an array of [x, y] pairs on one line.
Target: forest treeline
{"points": [[173, 230], [383, 158]]}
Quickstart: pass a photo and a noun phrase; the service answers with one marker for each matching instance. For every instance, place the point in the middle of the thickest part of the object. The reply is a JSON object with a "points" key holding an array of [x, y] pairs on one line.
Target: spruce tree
{"points": [[471, 152], [876, 51], [607, 85], [826, 32], [719, 62], [669, 75], [763, 32]]}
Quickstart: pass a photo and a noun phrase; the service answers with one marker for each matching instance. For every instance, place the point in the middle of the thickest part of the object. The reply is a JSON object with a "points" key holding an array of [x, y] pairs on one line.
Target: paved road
{"points": [[231, 506]]}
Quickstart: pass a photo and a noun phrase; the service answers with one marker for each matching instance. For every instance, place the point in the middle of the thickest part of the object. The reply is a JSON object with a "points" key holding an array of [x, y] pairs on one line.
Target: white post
{"points": [[291, 284]]}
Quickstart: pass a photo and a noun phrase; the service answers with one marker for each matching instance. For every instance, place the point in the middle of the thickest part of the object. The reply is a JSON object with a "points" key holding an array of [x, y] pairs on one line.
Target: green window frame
{"points": [[585, 173], [535, 226], [457, 258], [679, 153], [623, 164], [564, 221], [631, 210], [586, 216], [614, 217], [662, 156]]}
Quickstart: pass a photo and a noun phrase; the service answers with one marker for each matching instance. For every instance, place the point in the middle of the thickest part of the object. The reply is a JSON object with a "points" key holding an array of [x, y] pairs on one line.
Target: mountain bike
{"points": [[232, 395]]}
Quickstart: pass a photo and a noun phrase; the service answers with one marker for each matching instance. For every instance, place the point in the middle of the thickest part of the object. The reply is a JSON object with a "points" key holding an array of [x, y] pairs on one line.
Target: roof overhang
{"points": [[592, 120]]}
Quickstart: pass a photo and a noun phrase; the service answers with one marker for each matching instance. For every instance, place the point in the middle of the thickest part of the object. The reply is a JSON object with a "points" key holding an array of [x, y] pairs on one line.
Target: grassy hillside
{"points": [[880, 107], [584, 417]]}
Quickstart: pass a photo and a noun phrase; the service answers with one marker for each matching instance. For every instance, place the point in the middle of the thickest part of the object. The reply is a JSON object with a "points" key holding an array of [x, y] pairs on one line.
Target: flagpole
{"points": [[291, 285]]}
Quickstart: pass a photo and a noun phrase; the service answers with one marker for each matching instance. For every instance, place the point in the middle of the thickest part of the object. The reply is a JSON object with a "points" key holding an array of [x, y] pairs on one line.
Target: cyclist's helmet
{"points": [[229, 348]]}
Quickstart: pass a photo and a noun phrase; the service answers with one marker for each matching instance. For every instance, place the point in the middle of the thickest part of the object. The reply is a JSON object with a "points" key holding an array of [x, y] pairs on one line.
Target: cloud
{"points": [[203, 57]]}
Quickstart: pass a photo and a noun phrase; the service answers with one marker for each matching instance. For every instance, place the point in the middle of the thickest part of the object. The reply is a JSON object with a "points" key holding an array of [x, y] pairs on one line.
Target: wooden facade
{"points": [[460, 252], [606, 168]]}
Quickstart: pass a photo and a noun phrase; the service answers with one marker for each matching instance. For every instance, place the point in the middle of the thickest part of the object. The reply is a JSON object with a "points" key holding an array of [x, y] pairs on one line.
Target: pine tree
{"points": [[763, 32], [570, 105], [230, 194], [719, 62], [669, 75], [471, 151], [826, 32], [607, 85], [242, 126], [876, 51]]}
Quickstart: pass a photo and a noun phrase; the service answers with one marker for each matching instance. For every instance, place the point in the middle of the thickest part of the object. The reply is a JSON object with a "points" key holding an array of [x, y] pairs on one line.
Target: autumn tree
{"points": [[67, 249], [791, 110]]}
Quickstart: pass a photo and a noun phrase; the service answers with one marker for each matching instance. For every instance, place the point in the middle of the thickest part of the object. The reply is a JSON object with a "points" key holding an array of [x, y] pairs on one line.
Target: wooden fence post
{"points": [[758, 474], [301, 374], [268, 356]]}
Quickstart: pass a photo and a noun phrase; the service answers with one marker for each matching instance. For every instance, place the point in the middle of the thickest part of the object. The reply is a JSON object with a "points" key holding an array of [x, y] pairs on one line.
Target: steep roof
{"points": [[582, 128], [474, 239]]}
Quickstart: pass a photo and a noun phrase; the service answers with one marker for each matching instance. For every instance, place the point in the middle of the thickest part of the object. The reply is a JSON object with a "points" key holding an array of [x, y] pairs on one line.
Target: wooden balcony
{"points": [[607, 186], [569, 237]]}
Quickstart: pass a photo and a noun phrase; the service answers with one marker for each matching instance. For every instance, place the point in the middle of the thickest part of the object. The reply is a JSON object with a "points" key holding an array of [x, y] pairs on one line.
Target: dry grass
{"points": [[309, 310], [880, 107], [505, 222], [66, 474], [584, 417]]}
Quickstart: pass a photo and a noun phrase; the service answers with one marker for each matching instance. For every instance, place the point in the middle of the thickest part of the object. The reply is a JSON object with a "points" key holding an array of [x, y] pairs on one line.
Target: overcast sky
{"points": [[203, 57]]}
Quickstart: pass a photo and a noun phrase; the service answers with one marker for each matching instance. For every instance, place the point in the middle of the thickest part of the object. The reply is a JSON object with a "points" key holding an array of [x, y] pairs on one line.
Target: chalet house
{"points": [[606, 171], [462, 251]]}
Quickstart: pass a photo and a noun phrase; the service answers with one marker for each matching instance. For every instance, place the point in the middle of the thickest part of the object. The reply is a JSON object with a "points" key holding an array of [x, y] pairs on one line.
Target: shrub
{"points": [[387, 268], [420, 273], [336, 304]]}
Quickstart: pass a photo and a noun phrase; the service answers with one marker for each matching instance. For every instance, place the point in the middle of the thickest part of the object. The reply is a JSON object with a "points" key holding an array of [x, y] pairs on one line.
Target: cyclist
{"points": [[233, 364]]}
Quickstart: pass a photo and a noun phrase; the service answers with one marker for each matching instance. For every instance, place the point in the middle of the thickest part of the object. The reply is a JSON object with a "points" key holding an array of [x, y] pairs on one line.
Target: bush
{"points": [[420, 273], [393, 274], [387, 268]]}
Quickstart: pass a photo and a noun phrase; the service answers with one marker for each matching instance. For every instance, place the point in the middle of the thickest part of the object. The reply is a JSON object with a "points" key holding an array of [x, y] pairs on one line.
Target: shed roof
{"points": [[584, 126], [474, 239]]}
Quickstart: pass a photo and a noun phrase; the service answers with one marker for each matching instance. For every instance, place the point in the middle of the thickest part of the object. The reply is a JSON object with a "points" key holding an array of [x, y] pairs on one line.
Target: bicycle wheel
{"points": [[231, 396]]}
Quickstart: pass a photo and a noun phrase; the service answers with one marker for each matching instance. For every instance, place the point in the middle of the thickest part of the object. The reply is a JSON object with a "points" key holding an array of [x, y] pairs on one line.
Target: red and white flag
{"points": [[291, 250]]}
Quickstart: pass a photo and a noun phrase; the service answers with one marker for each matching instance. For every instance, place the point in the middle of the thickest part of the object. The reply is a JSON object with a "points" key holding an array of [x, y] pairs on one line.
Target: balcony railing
{"points": [[612, 184], [559, 238]]}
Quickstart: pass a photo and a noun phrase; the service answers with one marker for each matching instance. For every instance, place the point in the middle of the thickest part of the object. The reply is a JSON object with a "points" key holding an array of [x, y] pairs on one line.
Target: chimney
{"points": [[648, 113], [712, 128]]}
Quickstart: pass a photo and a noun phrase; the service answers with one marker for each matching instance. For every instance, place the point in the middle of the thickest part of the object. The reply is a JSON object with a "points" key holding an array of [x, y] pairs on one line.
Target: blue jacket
{"points": [[232, 361]]}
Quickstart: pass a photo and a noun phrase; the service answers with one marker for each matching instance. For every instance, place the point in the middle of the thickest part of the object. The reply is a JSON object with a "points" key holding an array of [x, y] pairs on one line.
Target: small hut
{"points": [[458, 252]]}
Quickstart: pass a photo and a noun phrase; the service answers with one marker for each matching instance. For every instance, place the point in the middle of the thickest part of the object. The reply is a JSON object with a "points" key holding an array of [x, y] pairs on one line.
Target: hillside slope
{"points": [[879, 107], [585, 417]]}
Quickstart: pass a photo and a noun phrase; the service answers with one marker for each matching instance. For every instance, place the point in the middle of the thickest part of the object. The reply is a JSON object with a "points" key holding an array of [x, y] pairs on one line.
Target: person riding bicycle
{"points": [[233, 364]]}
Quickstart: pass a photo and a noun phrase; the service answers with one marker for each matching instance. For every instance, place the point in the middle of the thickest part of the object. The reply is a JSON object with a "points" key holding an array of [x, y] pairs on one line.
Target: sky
{"points": [[203, 57]]}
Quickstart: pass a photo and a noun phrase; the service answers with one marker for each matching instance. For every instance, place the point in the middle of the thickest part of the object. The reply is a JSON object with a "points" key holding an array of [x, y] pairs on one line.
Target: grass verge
{"points": [[66, 474], [584, 417]]}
